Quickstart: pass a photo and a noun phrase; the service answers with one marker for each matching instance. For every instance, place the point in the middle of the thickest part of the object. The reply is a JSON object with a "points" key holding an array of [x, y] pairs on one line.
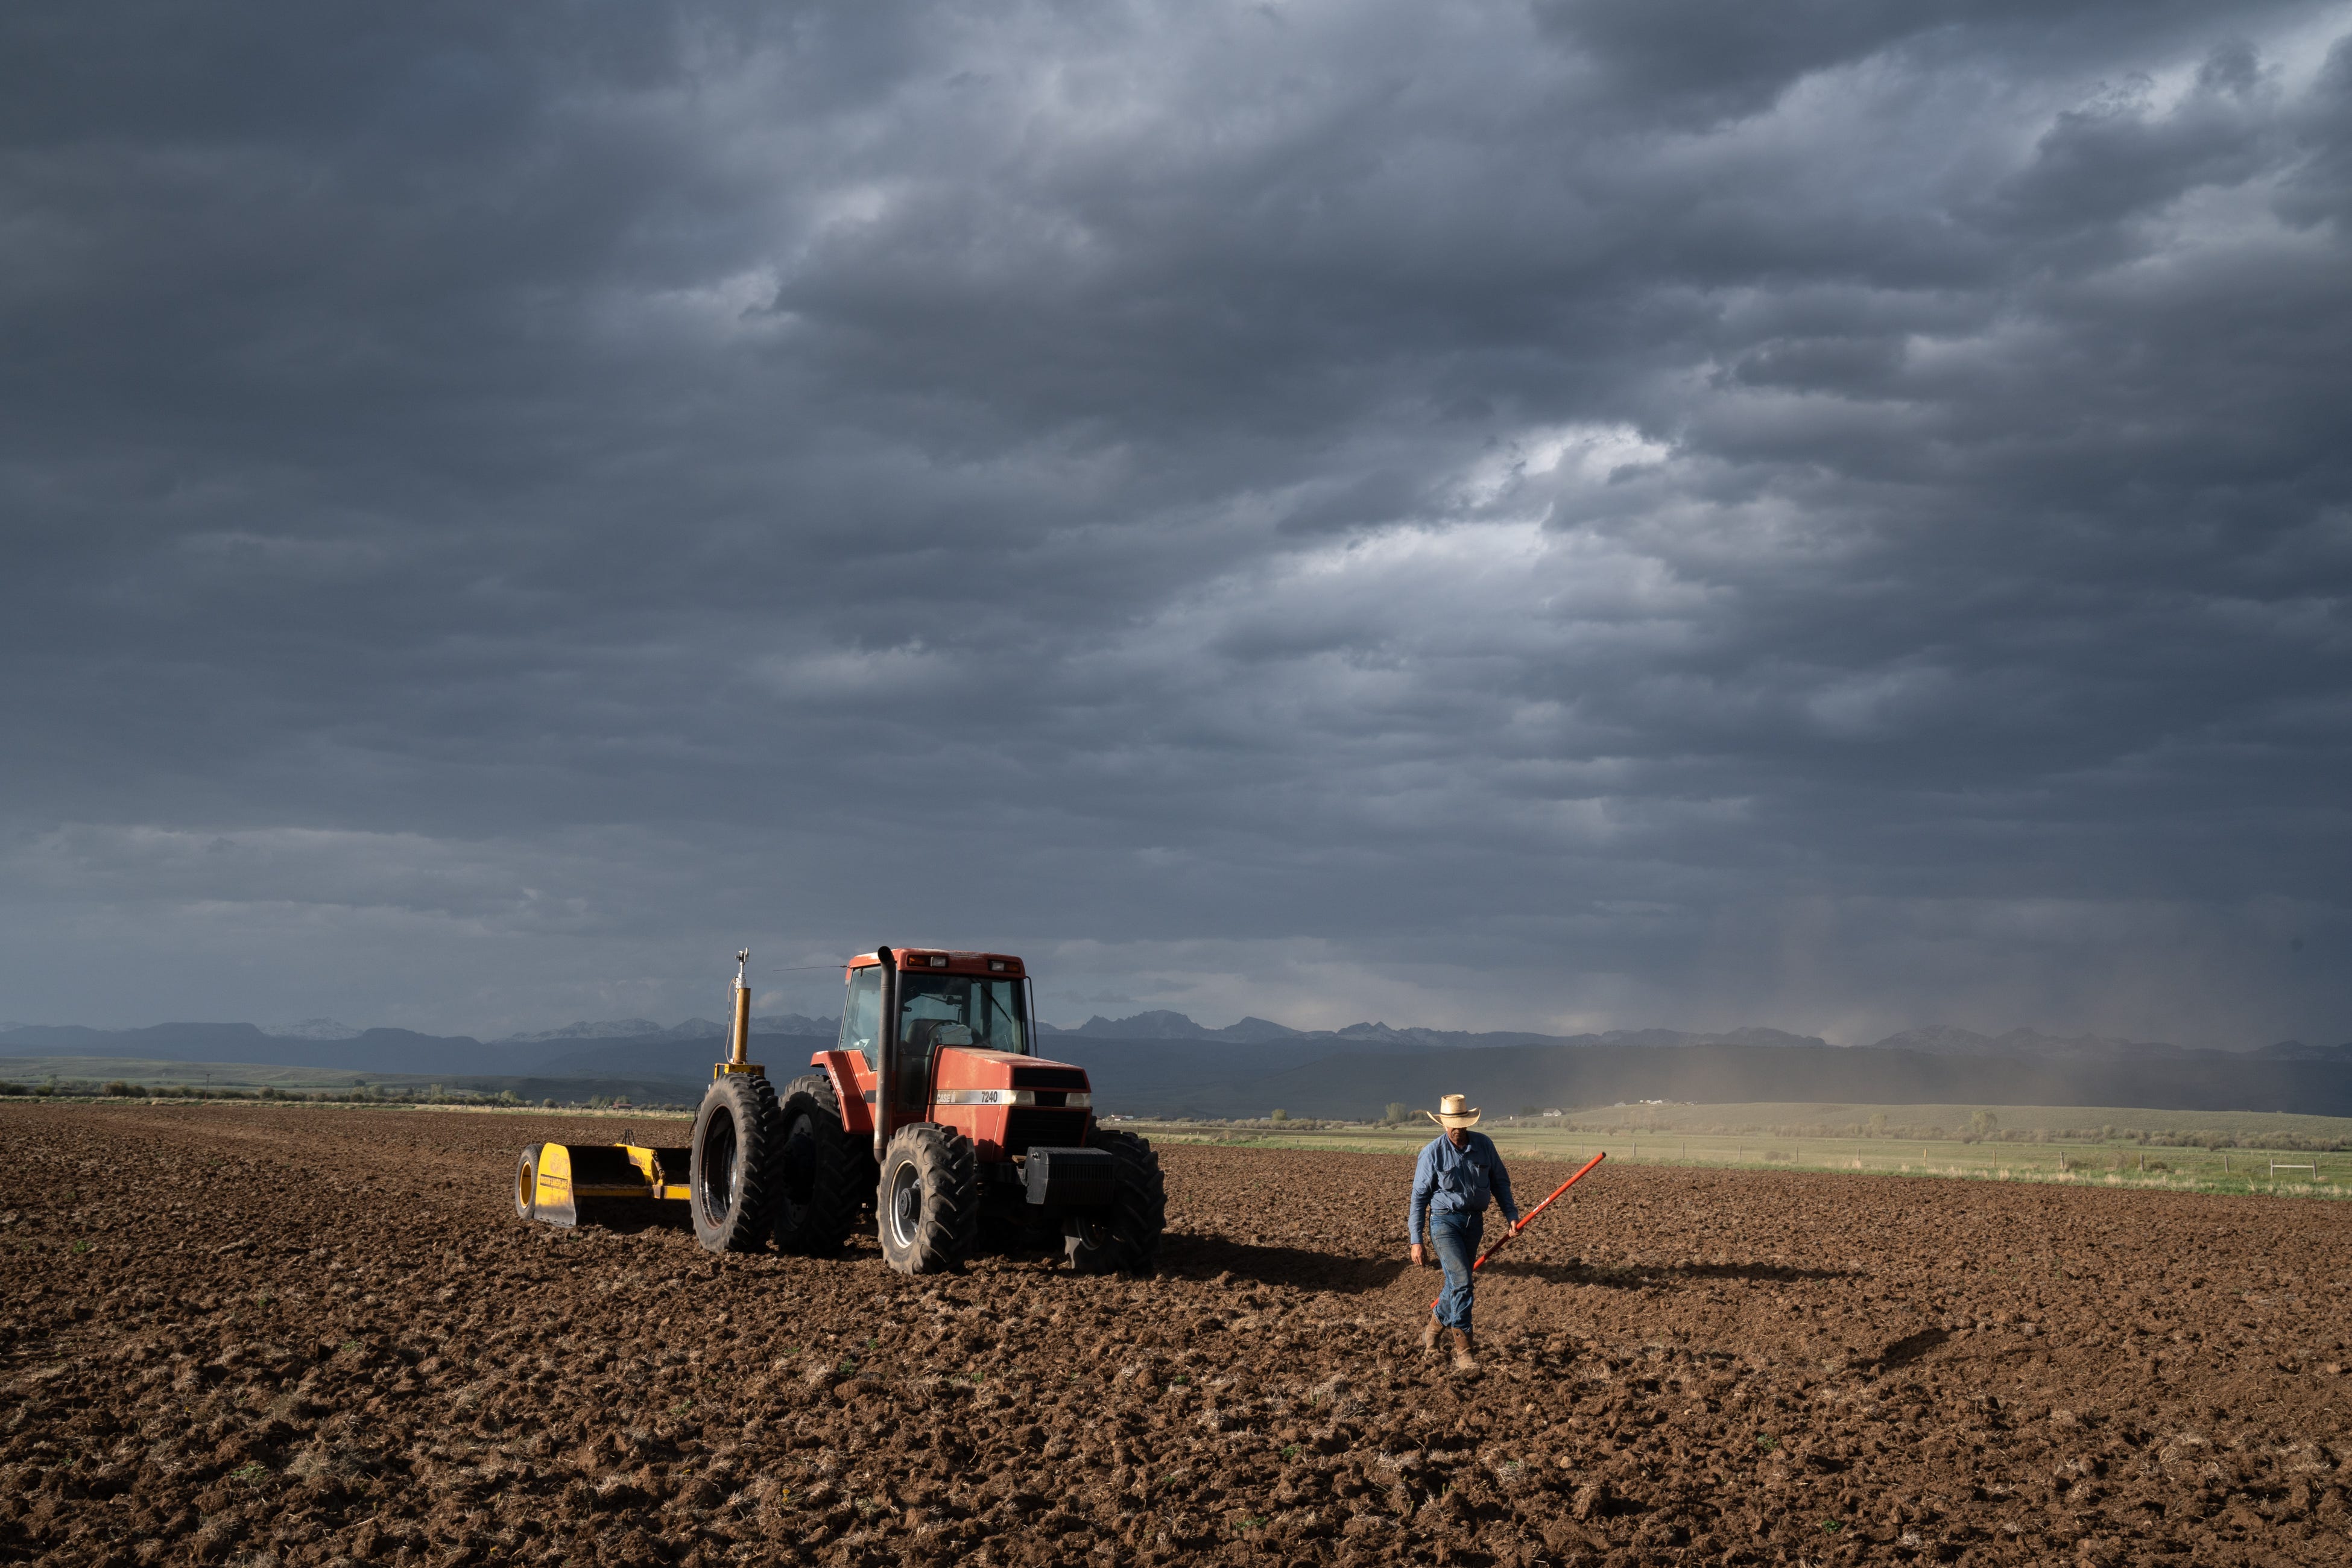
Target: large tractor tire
{"points": [[527, 1183], [1125, 1237], [734, 1164], [821, 1185], [927, 1204]]}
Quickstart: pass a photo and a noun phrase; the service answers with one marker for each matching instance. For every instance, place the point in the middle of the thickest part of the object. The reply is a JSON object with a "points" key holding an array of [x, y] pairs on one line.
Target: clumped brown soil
{"points": [[310, 1336]]}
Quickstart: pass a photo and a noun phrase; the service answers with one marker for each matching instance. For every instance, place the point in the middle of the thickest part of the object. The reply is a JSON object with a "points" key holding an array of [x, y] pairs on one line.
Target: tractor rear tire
{"points": [[821, 1186], [734, 1164], [1124, 1238], [526, 1194], [928, 1203]]}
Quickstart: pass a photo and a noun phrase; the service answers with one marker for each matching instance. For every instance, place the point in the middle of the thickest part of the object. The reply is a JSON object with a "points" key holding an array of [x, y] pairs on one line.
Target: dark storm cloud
{"points": [[1833, 514]]}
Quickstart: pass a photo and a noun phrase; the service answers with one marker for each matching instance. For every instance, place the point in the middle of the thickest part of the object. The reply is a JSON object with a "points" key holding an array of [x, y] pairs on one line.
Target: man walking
{"points": [[1458, 1174]]}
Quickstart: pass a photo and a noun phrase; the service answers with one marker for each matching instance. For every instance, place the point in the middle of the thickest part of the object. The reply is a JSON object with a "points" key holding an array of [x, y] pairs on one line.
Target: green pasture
{"points": [[2092, 1123], [2073, 1145], [88, 1078], [93, 1071]]}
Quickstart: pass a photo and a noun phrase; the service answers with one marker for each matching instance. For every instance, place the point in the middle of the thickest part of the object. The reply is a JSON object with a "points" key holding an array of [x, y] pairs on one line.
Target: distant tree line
{"points": [[363, 1094]]}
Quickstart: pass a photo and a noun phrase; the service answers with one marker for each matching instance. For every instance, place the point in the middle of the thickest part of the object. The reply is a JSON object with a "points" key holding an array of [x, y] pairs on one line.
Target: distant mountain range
{"points": [[309, 1029], [692, 1029], [1933, 1039], [1165, 1062]]}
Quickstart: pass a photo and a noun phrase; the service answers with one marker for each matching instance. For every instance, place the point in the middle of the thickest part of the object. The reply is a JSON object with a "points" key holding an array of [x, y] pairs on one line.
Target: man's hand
{"points": [[1417, 1259]]}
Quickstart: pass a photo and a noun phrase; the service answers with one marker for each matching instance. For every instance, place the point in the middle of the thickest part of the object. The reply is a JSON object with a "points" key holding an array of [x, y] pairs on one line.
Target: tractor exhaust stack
{"points": [[886, 1050]]}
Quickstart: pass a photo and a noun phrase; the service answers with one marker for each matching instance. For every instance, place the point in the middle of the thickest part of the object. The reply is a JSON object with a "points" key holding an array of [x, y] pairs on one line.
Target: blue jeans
{"points": [[1455, 1237]]}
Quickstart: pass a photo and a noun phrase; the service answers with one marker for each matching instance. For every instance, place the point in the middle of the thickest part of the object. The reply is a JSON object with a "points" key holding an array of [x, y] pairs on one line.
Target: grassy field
{"points": [[2087, 1122], [71, 1078], [210, 1075], [1800, 1137]]}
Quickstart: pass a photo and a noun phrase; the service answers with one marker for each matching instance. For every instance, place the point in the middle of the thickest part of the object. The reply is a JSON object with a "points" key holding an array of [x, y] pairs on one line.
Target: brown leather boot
{"points": [[1462, 1359], [1428, 1335]]}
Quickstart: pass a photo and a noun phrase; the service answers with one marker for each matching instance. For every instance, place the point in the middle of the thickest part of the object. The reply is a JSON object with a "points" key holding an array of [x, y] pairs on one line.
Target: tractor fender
{"points": [[857, 1110]]}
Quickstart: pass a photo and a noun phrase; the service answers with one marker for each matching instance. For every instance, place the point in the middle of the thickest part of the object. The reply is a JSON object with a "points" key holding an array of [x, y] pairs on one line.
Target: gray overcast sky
{"points": [[1832, 514]]}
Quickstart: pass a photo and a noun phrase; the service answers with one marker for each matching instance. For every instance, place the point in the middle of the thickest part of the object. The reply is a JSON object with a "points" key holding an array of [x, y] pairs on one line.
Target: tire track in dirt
{"points": [[306, 1335]]}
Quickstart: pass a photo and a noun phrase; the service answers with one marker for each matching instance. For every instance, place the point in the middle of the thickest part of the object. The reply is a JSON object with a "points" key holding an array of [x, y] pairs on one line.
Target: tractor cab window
{"points": [[861, 1015], [962, 1010], [936, 1010]]}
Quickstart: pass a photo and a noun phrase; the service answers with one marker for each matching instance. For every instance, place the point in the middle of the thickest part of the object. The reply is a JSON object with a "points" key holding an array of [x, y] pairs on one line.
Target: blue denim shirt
{"points": [[1450, 1180]]}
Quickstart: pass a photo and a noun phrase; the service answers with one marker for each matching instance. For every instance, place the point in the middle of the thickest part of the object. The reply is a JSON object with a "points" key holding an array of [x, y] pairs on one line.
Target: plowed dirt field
{"points": [[307, 1336]]}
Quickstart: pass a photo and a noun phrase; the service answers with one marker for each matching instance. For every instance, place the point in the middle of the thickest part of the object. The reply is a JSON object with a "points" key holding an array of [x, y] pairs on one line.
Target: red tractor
{"points": [[933, 1110]]}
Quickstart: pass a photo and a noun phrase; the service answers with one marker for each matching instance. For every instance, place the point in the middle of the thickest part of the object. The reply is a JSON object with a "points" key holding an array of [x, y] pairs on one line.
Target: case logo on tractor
{"points": [[932, 1119]]}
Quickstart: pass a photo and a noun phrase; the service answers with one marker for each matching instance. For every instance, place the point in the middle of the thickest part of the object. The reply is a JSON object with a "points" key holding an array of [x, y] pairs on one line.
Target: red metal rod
{"points": [[1527, 1219]]}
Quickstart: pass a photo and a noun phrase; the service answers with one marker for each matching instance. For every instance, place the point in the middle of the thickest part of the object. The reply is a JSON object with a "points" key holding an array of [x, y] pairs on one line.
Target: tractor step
{"points": [[1070, 1178]]}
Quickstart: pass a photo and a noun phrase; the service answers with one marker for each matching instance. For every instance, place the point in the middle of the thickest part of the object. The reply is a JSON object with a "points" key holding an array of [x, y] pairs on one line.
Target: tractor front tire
{"points": [[820, 1188], [1125, 1237], [928, 1203], [734, 1163]]}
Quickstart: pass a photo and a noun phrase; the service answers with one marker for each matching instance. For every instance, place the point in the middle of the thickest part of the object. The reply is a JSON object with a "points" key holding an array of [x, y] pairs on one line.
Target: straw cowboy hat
{"points": [[1453, 1111]]}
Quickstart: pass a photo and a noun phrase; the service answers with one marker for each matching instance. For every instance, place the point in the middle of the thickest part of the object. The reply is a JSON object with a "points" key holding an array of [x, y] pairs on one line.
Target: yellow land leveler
{"points": [[585, 1183], [564, 1184]]}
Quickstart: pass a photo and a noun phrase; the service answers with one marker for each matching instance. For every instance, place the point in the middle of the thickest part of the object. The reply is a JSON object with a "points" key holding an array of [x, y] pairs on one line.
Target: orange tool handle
{"points": [[1527, 1219]]}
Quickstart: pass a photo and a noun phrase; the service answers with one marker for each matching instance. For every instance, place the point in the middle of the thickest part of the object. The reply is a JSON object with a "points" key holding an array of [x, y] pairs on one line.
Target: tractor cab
{"points": [[964, 1054]]}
